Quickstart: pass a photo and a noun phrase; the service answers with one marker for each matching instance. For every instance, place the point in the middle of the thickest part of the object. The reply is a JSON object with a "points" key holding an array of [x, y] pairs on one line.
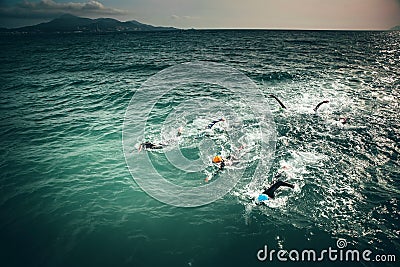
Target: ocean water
{"points": [[67, 197]]}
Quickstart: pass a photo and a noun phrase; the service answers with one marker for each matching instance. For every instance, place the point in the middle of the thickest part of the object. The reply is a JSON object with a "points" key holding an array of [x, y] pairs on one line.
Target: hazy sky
{"points": [[260, 14]]}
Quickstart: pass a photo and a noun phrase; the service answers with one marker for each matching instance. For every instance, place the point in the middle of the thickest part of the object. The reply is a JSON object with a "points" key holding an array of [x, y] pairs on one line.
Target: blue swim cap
{"points": [[262, 197]]}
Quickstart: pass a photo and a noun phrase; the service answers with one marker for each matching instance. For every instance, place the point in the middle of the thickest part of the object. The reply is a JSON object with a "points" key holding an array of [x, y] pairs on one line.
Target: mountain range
{"points": [[397, 28], [69, 24]]}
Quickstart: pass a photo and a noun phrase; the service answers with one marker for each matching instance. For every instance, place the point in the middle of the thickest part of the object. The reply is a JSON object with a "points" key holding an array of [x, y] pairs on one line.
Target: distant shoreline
{"points": [[21, 33], [72, 24]]}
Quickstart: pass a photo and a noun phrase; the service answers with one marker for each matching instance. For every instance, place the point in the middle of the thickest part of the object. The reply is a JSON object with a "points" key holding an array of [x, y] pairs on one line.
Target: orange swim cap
{"points": [[217, 159]]}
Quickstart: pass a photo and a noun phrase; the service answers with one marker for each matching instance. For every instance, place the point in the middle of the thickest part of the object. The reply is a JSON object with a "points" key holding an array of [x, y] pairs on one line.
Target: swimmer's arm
{"points": [[214, 122], [220, 168], [211, 124], [279, 101], [319, 104]]}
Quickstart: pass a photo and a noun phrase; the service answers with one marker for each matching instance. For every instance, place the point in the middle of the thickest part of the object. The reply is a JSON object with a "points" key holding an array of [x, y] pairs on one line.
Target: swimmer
{"points": [[270, 192], [343, 120], [277, 99], [180, 130], [319, 104], [214, 122], [149, 145], [222, 162], [219, 160]]}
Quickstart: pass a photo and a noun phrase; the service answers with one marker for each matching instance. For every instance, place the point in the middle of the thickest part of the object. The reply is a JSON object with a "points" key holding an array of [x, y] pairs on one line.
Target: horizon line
{"points": [[203, 28]]}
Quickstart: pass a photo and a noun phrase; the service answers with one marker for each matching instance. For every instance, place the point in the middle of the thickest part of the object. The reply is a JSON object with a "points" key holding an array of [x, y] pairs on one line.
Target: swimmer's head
{"points": [[343, 120], [261, 198], [180, 130], [217, 159]]}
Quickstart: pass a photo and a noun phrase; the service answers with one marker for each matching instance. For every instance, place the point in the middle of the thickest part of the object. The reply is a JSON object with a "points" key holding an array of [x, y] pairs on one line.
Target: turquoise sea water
{"points": [[67, 197]]}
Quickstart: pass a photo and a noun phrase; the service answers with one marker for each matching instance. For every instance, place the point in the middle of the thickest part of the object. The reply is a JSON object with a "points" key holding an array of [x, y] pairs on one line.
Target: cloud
{"points": [[50, 9], [176, 17]]}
